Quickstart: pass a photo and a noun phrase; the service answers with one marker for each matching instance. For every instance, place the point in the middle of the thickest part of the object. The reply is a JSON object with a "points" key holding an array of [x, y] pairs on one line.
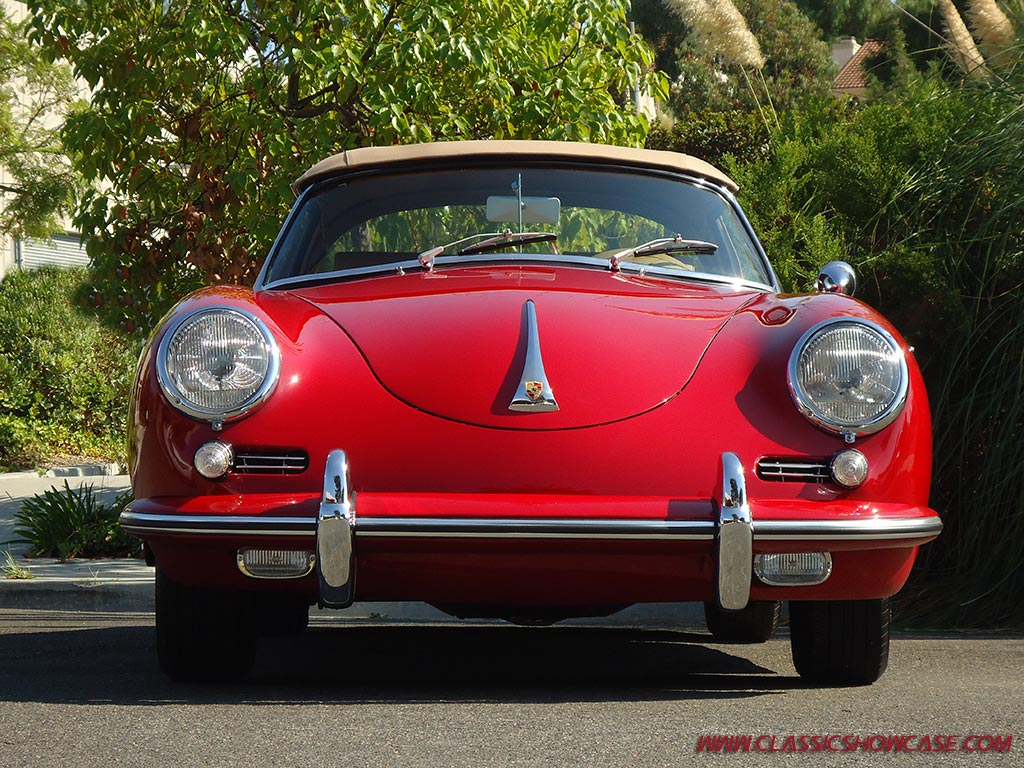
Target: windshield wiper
{"points": [[661, 245], [508, 238], [486, 241]]}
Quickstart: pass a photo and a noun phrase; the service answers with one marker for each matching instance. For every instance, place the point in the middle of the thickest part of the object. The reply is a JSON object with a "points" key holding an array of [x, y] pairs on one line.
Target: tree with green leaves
{"points": [[202, 113], [34, 93]]}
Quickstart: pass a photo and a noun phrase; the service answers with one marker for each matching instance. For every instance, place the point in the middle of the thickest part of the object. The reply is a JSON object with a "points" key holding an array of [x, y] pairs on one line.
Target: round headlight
{"points": [[848, 377], [218, 364]]}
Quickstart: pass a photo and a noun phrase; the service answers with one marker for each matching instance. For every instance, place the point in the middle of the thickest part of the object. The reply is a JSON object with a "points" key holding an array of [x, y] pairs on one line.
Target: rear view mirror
{"points": [[536, 210]]}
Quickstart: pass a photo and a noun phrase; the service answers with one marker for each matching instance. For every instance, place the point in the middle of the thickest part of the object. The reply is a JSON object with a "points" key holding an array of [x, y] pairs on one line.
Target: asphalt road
{"points": [[82, 689]]}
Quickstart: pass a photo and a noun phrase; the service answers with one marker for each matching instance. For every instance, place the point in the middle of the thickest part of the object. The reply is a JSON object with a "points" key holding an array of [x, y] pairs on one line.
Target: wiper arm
{"points": [[486, 241], [661, 245]]}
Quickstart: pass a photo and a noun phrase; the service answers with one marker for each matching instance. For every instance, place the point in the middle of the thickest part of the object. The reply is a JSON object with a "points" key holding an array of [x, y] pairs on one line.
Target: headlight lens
{"points": [[218, 364], [848, 376]]}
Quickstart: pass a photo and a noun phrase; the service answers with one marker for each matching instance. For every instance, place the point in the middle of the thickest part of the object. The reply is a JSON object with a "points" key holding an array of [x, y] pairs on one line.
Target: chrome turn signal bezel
{"points": [[213, 460], [849, 469]]}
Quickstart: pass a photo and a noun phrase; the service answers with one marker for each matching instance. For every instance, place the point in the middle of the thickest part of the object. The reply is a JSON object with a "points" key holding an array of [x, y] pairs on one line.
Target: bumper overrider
{"points": [[732, 530]]}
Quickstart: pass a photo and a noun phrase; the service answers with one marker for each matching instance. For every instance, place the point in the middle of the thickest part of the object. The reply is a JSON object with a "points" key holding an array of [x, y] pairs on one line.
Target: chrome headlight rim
{"points": [[178, 399], [819, 419]]}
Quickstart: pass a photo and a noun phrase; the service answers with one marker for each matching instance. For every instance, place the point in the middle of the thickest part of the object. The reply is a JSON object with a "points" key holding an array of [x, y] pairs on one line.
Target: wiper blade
{"points": [[486, 241], [675, 244], [508, 238]]}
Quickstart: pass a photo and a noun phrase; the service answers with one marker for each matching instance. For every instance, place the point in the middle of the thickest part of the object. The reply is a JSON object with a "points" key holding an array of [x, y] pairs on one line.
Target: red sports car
{"points": [[529, 380]]}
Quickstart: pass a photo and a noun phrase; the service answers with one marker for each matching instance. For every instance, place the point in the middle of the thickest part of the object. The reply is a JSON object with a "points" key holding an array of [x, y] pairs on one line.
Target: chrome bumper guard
{"points": [[335, 521], [735, 538]]}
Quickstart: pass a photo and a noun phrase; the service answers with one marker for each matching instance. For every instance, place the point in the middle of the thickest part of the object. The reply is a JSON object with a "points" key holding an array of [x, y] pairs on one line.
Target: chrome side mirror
{"points": [[836, 277]]}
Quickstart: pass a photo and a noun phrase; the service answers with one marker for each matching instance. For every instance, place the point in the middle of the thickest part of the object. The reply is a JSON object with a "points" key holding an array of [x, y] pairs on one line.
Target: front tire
{"points": [[201, 634], [840, 642], [754, 624]]}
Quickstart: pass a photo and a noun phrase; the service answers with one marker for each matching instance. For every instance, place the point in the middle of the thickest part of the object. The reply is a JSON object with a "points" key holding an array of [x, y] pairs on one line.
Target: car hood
{"points": [[453, 343]]}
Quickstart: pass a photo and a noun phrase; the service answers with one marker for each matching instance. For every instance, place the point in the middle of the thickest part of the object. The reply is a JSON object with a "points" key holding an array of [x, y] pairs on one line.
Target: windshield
{"points": [[389, 221]]}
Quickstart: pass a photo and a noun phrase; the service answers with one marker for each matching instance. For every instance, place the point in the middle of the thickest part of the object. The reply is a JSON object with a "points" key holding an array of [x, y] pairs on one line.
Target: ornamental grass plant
{"points": [[74, 522], [970, 212]]}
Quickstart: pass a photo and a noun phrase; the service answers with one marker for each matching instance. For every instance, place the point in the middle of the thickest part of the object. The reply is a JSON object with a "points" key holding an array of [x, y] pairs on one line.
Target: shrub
{"points": [[713, 135], [64, 378], [846, 183]]}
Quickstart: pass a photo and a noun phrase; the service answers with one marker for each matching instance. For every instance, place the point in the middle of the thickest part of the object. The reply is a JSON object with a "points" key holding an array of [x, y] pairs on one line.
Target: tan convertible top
{"points": [[444, 151]]}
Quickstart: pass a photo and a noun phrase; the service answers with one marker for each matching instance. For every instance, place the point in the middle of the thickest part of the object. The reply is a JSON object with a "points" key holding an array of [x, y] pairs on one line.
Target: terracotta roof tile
{"points": [[853, 75]]}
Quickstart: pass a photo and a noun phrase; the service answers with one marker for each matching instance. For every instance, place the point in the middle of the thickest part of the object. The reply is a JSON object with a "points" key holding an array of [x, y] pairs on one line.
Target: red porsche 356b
{"points": [[530, 380]]}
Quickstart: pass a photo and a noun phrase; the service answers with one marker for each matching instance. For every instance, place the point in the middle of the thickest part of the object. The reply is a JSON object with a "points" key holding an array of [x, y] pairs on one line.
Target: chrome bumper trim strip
{"points": [[532, 528], [880, 529], [877, 529], [139, 523]]}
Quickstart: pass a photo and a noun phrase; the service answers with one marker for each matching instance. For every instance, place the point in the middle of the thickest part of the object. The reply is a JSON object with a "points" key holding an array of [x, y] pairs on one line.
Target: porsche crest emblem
{"points": [[534, 390]]}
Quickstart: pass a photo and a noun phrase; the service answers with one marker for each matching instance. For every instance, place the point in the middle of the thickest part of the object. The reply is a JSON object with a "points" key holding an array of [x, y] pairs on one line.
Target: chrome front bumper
{"points": [[732, 530]]}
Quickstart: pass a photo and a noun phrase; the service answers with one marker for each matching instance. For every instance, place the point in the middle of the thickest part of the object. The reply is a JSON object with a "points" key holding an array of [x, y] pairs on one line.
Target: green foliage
{"points": [[853, 18], [64, 378], [74, 523], [910, 29], [202, 114], [712, 135], [662, 30], [38, 186], [835, 185]]}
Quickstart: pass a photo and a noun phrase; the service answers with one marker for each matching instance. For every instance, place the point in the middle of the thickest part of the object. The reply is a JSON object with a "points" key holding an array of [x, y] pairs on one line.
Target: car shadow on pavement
{"points": [[407, 663]]}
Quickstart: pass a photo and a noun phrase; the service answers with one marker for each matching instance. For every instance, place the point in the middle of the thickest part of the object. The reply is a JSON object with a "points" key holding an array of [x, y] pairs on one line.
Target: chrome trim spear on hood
{"points": [[533, 395]]}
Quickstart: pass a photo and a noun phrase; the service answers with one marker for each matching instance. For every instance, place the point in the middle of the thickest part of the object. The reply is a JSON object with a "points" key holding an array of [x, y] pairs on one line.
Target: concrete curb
{"points": [[117, 584], [89, 470], [71, 597], [112, 469], [10, 477], [75, 585]]}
